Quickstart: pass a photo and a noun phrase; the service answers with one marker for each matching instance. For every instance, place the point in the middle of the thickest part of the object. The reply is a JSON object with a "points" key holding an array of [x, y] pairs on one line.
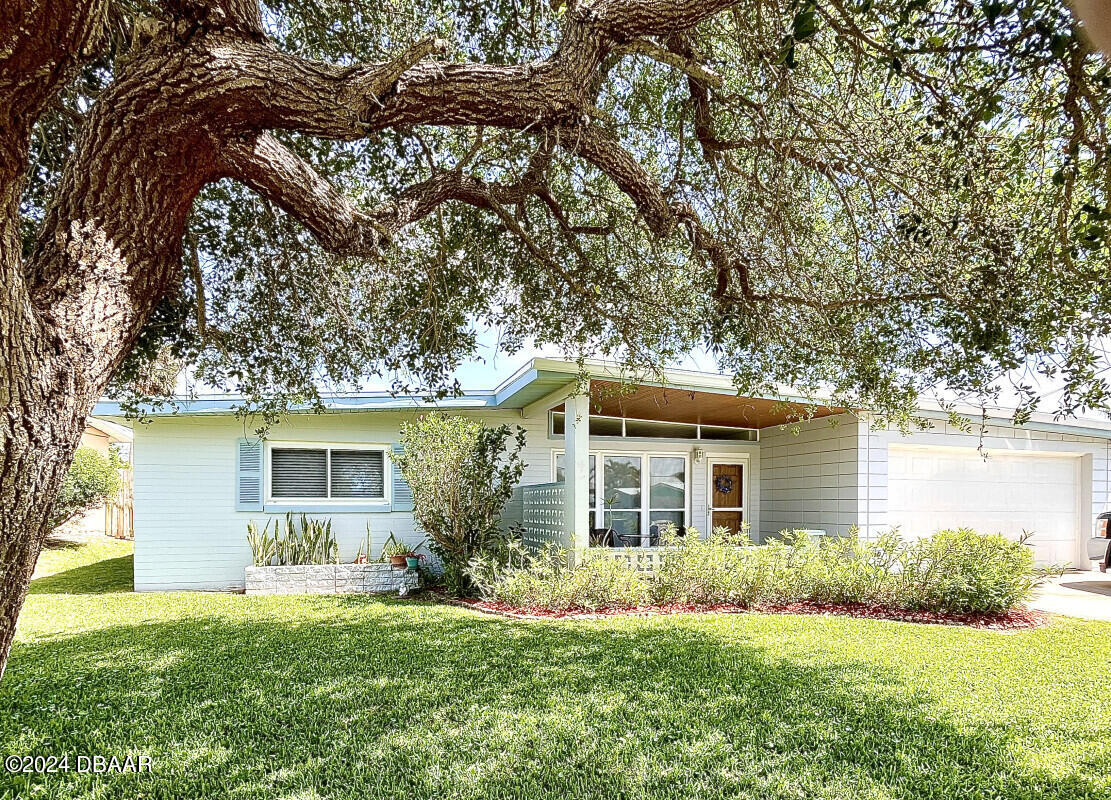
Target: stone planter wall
{"points": [[330, 579]]}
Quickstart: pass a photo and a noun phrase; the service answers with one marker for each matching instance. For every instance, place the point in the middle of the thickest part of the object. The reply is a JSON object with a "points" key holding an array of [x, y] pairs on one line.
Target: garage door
{"points": [[931, 488]]}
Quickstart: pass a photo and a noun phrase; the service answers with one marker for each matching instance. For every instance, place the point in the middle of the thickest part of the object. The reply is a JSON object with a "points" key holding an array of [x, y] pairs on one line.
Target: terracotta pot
{"points": [[397, 561]]}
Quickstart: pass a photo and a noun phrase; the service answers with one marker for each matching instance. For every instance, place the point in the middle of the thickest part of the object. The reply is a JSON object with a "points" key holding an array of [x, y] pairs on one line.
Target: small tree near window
{"points": [[92, 479], [461, 473]]}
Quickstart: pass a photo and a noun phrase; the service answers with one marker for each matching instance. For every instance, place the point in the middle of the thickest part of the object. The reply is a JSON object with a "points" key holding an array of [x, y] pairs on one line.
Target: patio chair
{"points": [[656, 530], [627, 539], [601, 537]]}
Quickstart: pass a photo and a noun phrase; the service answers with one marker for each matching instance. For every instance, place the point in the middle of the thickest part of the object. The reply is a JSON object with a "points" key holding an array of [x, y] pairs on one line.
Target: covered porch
{"points": [[627, 463]]}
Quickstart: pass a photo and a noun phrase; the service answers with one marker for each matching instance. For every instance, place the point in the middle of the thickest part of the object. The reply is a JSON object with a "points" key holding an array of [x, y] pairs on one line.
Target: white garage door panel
{"points": [[931, 488]]}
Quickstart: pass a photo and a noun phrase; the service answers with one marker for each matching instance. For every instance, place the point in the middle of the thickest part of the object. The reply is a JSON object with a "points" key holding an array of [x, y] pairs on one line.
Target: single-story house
{"points": [[686, 450]]}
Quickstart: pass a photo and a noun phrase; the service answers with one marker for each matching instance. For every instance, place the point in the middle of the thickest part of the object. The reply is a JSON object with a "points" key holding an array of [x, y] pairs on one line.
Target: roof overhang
{"points": [[672, 395], [338, 403], [668, 404]]}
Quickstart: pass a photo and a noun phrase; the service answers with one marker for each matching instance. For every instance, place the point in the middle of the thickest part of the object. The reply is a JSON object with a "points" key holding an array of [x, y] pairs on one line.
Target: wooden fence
{"points": [[119, 517]]}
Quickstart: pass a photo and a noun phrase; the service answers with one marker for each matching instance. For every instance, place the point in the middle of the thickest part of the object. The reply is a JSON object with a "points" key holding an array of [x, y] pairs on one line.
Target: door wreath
{"points": [[723, 484]]}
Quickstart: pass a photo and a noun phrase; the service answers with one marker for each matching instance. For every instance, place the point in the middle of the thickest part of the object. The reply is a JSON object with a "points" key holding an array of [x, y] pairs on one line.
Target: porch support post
{"points": [[576, 461]]}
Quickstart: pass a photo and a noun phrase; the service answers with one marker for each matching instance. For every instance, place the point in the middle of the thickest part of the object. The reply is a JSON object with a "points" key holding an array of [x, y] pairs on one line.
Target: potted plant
{"points": [[363, 556], [395, 551]]}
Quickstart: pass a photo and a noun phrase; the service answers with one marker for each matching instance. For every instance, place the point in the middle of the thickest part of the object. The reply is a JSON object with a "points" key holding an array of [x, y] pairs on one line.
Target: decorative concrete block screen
{"points": [[513, 512], [374, 578], [541, 513]]}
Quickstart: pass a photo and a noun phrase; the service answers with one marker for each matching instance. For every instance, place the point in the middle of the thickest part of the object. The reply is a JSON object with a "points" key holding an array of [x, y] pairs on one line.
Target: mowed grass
{"points": [[301, 697]]}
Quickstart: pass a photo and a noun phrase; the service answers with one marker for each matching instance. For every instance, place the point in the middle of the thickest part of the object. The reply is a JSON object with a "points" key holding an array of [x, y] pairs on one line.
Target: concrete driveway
{"points": [[1077, 594]]}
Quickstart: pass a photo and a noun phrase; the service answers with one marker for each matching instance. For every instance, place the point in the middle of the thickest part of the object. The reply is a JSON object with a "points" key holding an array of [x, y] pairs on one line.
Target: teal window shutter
{"points": [[402, 497], [248, 475]]}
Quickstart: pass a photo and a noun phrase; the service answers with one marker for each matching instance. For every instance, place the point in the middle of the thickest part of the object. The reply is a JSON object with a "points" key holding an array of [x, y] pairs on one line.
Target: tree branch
{"points": [[604, 151], [240, 16], [690, 67], [277, 173], [275, 90], [285, 91], [41, 44], [198, 281], [388, 74], [832, 305]]}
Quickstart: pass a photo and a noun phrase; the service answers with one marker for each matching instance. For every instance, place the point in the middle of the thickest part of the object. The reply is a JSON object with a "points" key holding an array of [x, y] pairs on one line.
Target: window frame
{"points": [[329, 503], [746, 480], [600, 499], [751, 435], [644, 509], [686, 490]]}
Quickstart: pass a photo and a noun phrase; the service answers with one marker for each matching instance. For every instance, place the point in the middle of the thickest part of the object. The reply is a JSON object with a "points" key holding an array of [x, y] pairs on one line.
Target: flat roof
{"points": [[544, 383]]}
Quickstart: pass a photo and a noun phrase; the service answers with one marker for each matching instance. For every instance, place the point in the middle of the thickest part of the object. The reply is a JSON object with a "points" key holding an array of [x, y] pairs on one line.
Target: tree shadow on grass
{"points": [[100, 577], [58, 543], [368, 699]]}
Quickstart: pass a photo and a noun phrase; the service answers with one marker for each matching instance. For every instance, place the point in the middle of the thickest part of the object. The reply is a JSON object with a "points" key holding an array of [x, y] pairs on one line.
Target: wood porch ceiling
{"points": [[704, 408]]}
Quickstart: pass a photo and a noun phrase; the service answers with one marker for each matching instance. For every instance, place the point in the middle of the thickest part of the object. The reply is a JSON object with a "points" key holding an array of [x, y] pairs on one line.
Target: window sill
{"points": [[325, 507]]}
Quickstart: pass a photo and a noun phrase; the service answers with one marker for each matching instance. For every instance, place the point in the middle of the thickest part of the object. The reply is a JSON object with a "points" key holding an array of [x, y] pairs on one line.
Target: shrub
{"points": [[725, 568], [961, 570], [954, 571], [92, 479], [461, 474], [545, 580], [306, 541]]}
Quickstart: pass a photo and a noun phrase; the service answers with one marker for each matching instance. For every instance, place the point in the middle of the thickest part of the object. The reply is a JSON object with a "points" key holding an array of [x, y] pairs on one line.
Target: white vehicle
{"points": [[1099, 546]]}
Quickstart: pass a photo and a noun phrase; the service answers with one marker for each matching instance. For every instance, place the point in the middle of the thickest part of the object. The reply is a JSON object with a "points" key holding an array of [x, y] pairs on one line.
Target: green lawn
{"points": [[300, 697]]}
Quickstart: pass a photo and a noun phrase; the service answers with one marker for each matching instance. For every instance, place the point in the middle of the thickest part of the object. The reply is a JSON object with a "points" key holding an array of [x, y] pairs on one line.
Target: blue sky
{"points": [[490, 367]]}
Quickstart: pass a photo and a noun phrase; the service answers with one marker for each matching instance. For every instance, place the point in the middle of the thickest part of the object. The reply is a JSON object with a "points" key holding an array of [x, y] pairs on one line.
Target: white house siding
{"points": [[188, 534], [1093, 453], [812, 476], [831, 476]]}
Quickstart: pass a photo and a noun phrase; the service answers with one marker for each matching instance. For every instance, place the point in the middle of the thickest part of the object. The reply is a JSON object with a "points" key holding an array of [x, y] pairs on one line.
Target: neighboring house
{"points": [[690, 452], [105, 437]]}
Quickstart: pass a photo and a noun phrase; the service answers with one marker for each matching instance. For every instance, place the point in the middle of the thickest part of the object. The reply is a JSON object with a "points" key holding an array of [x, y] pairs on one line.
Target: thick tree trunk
{"points": [[50, 376], [108, 249], [40, 420], [55, 361], [38, 435]]}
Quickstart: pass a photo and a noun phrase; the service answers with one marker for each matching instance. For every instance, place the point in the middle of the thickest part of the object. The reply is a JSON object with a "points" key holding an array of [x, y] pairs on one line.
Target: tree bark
{"points": [[109, 247], [41, 424]]}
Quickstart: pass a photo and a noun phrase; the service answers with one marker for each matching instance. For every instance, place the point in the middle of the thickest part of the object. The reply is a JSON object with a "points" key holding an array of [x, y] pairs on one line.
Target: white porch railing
{"points": [[642, 559]]}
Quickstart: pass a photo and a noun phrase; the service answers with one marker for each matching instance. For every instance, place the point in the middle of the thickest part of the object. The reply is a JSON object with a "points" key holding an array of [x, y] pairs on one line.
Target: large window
{"points": [[640, 493], [622, 477], [667, 492], [327, 473]]}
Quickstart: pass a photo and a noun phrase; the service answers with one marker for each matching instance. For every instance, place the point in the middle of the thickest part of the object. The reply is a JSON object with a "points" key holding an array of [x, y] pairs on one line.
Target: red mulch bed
{"points": [[1017, 619]]}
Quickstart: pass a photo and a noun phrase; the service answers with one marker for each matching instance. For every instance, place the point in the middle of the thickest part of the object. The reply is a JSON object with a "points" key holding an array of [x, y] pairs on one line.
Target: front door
{"points": [[727, 496]]}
